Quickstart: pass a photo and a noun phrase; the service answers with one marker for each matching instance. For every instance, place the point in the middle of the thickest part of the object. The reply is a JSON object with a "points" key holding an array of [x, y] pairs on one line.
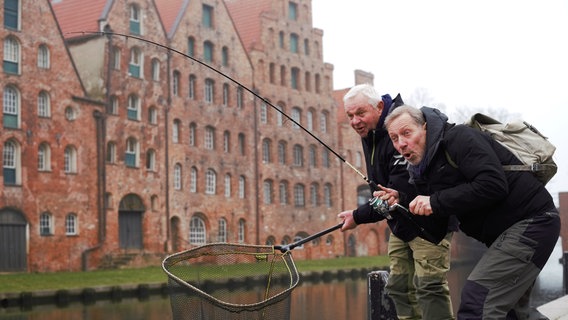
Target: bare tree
{"points": [[463, 113], [421, 97]]}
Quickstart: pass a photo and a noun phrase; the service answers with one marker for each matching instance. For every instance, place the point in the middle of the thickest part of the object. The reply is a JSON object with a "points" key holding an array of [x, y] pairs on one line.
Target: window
{"points": [[116, 58], [155, 69], [191, 46], [294, 43], [177, 176], [279, 117], [197, 232], [209, 92], [296, 116], [325, 158], [282, 152], [131, 154], [242, 231], [318, 83], [314, 190], [271, 73], [136, 63], [152, 115], [222, 233], [43, 105], [306, 47], [111, 152], [43, 57], [12, 14], [312, 156], [226, 142], [363, 194], [45, 224], [11, 108], [209, 138], [71, 224], [113, 105], [298, 155], [283, 190], [70, 160], [193, 180], [266, 151], [225, 56], [11, 56], [208, 52], [327, 195], [175, 131], [292, 11], [307, 81], [226, 93], [207, 16], [192, 132], [310, 120], [210, 182], [151, 160], [227, 185], [295, 78], [133, 109], [175, 83], [135, 16], [240, 98], [241, 144], [11, 163], [242, 186], [323, 122], [299, 195], [283, 75], [44, 157], [70, 113], [191, 87], [263, 113], [267, 191], [281, 39]]}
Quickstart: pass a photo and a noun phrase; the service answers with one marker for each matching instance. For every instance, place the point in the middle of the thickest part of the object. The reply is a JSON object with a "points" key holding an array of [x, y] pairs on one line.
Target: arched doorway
{"points": [[176, 236], [13, 241], [130, 213]]}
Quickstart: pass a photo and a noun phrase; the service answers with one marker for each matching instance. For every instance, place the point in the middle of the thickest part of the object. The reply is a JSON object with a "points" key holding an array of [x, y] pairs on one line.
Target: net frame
{"points": [[273, 303]]}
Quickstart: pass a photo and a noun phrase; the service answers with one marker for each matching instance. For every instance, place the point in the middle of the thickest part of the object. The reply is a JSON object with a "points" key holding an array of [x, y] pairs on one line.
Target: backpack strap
{"points": [[450, 161]]}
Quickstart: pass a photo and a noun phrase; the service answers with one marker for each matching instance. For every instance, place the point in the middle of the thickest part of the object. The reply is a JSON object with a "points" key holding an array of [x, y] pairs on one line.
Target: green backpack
{"points": [[524, 141]]}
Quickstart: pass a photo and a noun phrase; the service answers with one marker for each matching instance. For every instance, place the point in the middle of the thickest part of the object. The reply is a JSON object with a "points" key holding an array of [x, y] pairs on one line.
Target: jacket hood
{"points": [[435, 123]]}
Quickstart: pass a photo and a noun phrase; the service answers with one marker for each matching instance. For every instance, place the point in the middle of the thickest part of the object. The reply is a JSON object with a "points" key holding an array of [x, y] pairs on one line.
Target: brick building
{"points": [[162, 133]]}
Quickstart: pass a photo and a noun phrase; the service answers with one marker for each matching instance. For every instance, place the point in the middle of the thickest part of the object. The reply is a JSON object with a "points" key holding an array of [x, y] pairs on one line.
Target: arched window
{"points": [[242, 231], [175, 131], [298, 155], [299, 200], [177, 176], [283, 191], [208, 51], [296, 116], [136, 63], [43, 57], [45, 224], [11, 163], [44, 157], [135, 20], [71, 224], [43, 105], [267, 191], [314, 194], [131, 154], [197, 231], [242, 187], [193, 180], [282, 152], [11, 107], [227, 185], [266, 146], [192, 132], [155, 69], [11, 56], [133, 109], [209, 93], [327, 195], [210, 138], [210, 182], [111, 152], [70, 160], [151, 160], [222, 232]]}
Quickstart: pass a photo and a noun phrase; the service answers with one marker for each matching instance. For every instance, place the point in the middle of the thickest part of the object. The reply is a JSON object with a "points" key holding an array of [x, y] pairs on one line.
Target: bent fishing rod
{"points": [[403, 211]]}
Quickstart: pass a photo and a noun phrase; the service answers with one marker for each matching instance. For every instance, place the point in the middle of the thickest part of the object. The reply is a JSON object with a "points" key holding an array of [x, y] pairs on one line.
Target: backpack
{"points": [[524, 141]]}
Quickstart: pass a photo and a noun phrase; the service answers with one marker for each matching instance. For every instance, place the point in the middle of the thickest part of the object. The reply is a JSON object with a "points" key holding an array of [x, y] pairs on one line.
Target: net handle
{"points": [[309, 238]]}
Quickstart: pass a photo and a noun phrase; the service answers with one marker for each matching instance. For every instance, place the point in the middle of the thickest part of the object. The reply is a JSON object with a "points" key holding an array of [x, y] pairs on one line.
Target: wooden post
{"points": [[381, 306]]}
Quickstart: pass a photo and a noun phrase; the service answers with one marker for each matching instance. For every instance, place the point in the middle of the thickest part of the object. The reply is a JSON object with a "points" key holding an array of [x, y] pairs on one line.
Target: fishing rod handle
{"points": [[309, 238]]}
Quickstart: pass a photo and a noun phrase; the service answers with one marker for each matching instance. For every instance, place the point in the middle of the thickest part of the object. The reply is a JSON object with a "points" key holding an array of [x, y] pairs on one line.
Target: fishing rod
{"points": [[404, 212]]}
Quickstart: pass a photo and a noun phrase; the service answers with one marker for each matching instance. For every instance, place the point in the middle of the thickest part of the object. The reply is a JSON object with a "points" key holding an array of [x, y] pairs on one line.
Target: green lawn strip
{"points": [[29, 282]]}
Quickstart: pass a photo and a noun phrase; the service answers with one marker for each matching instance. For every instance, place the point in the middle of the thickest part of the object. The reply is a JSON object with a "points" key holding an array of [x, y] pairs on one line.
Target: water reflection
{"points": [[345, 299]]}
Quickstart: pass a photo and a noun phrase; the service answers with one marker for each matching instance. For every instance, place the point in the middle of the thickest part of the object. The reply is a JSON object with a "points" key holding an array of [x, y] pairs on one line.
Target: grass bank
{"points": [[30, 282]]}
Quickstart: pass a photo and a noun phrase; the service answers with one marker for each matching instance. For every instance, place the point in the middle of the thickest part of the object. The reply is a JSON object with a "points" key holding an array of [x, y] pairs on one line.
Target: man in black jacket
{"points": [[418, 268], [458, 170]]}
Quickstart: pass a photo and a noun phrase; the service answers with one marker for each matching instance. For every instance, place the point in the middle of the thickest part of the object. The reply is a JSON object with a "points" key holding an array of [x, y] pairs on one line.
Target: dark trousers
{"points": [[500, 283]]}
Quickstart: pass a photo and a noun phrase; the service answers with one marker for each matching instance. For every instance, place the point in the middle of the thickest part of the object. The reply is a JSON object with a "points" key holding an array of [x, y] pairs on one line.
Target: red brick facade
{"points": [[164, 153]]}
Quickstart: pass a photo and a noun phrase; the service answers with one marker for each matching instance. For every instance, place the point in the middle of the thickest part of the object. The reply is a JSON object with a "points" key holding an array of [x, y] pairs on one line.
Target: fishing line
{"points": [[403, 211]]}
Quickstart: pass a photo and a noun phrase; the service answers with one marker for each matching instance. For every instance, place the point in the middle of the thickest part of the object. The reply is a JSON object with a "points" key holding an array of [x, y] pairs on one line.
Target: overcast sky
{"points": [[487, 54]]}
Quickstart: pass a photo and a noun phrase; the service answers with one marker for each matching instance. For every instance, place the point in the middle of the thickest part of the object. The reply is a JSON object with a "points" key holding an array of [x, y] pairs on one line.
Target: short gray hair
{"points": [[414, 113], [366, 90]]}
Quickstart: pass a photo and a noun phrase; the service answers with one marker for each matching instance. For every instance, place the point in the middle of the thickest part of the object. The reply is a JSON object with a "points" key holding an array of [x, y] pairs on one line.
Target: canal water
{"points": [[345, 299]]}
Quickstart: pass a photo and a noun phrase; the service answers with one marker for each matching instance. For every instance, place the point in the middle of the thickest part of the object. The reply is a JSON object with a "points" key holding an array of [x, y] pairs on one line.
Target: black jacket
{"points": [[387, 167], [464, 176]]}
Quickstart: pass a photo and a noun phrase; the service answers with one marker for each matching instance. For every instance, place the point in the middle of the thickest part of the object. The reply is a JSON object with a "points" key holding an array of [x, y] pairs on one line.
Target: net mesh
{"points": [[231, 281]]}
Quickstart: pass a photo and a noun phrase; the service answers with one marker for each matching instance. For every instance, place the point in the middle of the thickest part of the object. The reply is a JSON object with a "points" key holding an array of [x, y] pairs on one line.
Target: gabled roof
{"points": [[171, 13], [80, 15], [246, 16]]}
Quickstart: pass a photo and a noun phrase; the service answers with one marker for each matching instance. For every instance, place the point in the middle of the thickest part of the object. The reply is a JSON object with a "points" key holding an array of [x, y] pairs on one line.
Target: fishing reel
{"points": [[381, 207]]}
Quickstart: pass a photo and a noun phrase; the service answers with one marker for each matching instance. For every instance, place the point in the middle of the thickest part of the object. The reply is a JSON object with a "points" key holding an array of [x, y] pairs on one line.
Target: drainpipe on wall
{"points": [[256, 174], [167, 155], [100, 126]]}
